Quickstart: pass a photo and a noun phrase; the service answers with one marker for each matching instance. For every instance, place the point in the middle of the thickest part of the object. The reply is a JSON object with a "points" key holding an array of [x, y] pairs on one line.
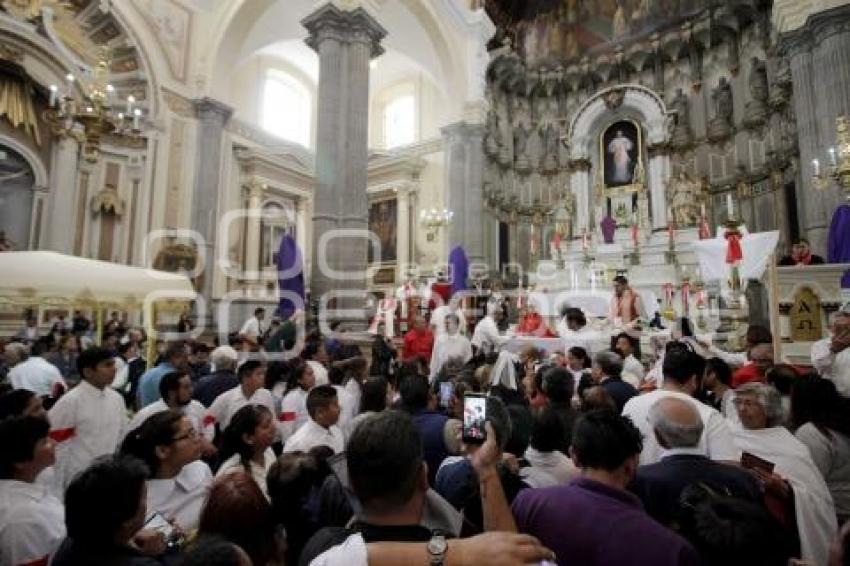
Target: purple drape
{"points": [[290, 270], [458, 269], [838, 245]]}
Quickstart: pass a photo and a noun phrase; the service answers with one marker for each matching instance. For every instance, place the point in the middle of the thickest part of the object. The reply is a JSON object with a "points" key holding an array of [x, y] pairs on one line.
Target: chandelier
{"points": [[435, 219], [89, 117], [839, 161]]}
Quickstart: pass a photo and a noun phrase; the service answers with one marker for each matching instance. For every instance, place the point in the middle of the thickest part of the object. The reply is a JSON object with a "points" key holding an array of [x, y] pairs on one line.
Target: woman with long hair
{"points": [[247, 444]]}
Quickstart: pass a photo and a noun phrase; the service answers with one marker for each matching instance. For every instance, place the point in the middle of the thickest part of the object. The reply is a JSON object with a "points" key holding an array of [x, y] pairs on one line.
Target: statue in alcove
{"points": [[520, 146], [756, 111], [681, 135], [720, 126], [685, 196]]}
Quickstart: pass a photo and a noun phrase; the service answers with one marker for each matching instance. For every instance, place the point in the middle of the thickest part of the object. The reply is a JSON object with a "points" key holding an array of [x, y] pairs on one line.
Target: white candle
{"points": [[729, 209], [137, 115], [130, 100], [702, 210], [816, 166], [53, 90], [832, 160]]}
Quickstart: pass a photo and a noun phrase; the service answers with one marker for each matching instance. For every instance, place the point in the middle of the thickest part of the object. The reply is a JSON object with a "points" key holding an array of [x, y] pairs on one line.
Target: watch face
{"points": [[437, 545]]}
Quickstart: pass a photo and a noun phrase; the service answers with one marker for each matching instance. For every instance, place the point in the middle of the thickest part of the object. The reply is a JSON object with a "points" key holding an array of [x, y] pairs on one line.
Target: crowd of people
{"points": [[223, 454]]}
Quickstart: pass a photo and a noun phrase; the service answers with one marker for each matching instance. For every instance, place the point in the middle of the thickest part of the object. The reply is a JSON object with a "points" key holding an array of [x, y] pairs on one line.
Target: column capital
{"points": [[463, 130], [254, 189], [345, 26], [208, 109]]}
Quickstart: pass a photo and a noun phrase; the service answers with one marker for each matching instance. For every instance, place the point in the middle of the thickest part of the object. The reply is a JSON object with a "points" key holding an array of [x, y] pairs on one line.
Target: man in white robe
{"points": [[438, 319], [487, 337], [450, 345]]}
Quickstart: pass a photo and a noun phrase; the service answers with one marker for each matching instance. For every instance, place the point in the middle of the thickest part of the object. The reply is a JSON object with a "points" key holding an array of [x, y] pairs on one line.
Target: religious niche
{"points": [[382, 223], [620, 176]]}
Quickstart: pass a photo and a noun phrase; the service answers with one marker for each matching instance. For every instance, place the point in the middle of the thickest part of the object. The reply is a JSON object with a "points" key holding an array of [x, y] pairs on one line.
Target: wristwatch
{"points": [[437, 548]]}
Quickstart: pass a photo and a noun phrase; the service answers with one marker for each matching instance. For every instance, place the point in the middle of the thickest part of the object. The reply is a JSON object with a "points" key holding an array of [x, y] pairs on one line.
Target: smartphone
{"points": [[474, 417], [156, 522], [447, 389]]}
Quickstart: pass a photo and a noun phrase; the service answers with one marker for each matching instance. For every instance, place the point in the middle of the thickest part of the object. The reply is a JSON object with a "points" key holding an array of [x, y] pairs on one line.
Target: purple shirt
{"points": [[592, 524]]}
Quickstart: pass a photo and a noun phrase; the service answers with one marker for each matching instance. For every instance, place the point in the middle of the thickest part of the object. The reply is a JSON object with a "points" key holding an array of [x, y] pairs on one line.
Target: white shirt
{"points": [[486, 336], [259, 473], [320, 372], [194, 411], [293, 412], [312, 434], [352, 552], [348, 409], [554, 463], [447, 347], [438, 319], [251, 328], [182, 497], [633, 366], [734, 359], [32, 522], [226, 405], [831, 366], [716, 441], [355, 392], [86, 423], [37, 375], [582, 338]]}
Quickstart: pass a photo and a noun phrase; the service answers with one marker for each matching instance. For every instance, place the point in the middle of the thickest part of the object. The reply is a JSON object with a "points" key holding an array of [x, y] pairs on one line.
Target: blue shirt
{"points": [[149, 383]]}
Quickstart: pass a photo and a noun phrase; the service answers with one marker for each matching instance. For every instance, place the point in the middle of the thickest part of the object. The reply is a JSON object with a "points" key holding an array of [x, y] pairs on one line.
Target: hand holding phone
{"points": [[474, 417]]}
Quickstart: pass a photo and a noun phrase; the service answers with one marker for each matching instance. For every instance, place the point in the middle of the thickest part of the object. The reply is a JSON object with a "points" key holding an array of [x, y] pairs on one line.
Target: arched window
{"points": [[400, 121], [287, 108]]}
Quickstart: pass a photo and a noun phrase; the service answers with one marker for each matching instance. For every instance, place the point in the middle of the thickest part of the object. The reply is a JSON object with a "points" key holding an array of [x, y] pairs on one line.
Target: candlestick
{"points": [[53, 90], [130, 100], [729, 208], [137, 116], [816, 166]]}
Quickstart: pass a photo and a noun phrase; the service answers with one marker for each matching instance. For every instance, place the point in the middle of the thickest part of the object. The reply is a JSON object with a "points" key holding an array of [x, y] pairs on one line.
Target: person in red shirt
{"points": [[418, 342], [761, 361]]}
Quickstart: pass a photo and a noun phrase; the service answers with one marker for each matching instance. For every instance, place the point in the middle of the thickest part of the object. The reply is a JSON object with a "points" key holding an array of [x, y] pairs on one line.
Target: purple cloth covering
{"points": [[838, 245], [290, 271], [458, 269], [609, 226]]}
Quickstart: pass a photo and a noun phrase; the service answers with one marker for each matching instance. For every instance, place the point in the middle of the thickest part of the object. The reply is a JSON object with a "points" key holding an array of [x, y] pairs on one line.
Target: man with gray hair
{"points": [[223, 360], [607, 372], [831, 356], [677, 427]]}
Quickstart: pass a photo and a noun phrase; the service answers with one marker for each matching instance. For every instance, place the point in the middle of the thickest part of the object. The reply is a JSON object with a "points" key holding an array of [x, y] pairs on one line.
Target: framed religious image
{"points": [[382, 223], [620, 154]]}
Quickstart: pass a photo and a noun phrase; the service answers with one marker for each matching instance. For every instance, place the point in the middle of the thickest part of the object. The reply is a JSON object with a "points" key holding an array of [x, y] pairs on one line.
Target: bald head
{"points": [[676, 423]]}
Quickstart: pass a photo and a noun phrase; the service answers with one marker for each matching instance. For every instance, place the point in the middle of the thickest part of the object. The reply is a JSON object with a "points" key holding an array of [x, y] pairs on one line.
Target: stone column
{"points": [[402, 232], [212, 117], [580, 187], [253, 226], [62, 196], [658, 174], [301, 213], [465, 187], [345, 42]]}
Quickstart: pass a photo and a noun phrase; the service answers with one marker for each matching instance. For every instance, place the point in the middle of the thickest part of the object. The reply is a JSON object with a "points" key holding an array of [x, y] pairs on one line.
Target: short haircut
{"points": [[500, 419], [675, 434], [414, 392], [124, 347], [558, 385], [40, 347], [384, 458], [91, 357], [248, 368], [547, 432], [604, 440], [611, 363], [720, 369], [18, 437], [320, 397], [170, 382], [580, 353], [14, 403], [102, 498], [211, 550], [259, 311], [621, 279], [757, 334], [769, 399], [175, 350], [681, 363], [452, 317], [224, 357], [521, 425], [374, 395], [577, 316], [199, 348], [631, 340]]}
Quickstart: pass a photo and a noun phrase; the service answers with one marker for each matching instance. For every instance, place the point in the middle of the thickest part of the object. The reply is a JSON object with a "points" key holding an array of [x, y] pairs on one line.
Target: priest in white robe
{"points": [[450, 345]]}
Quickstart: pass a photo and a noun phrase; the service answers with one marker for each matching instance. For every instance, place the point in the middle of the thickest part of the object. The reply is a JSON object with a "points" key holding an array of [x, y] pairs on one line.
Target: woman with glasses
{"points": [[179, 481]]}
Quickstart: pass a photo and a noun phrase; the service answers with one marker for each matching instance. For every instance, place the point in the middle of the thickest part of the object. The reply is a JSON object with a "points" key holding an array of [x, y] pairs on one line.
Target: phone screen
{"points": [[447, 389], [474, 417]]}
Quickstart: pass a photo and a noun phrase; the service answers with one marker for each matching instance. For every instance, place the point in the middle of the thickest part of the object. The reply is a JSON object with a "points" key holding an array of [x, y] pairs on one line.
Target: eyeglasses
{"points": [[191, 435]]}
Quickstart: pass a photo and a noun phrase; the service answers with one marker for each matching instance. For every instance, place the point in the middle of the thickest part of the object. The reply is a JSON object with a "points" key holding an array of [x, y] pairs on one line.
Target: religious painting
{"points": [[383, 215], [619, 152]]}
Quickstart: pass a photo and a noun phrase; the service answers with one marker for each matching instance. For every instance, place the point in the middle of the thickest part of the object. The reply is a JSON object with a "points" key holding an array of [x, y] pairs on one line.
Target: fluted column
{"points": [[301, 212], [254, 202], [465, 187], [62, 196], [403, 231], [345, 42]]}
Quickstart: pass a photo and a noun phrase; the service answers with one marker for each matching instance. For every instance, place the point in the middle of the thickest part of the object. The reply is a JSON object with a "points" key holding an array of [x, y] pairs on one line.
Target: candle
{"points": [[53, 90], [137, 115], [729, 209], [130, 100], [816, 166], [832, 160], [702, 210]]}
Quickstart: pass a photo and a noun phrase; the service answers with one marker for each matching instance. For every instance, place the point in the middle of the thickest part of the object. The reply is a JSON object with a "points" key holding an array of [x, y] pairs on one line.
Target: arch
{"points": [[36, 164], [627, 100]]}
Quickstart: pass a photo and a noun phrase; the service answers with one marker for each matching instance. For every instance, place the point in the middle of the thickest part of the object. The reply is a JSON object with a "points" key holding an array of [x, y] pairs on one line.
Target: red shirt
{"points": [[418, 343], [747, 374]]}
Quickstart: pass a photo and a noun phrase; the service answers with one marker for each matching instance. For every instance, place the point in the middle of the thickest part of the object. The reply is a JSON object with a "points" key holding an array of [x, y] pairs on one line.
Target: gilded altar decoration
{"points": [[108, 201], [686, 198], [16, 104]]}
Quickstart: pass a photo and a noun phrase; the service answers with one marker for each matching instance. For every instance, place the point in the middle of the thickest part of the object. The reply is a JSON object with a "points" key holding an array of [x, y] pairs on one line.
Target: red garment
{"points": [[532, 324], [418, 344], [747, 374]]}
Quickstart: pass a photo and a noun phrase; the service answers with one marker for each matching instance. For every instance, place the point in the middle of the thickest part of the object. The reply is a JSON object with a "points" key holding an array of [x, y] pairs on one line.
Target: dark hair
{"points": [[18, 437], [581, 353], [124, 347], [558, 385], [40, 347], [170, 382], [237, 510], [157, 430], [630, 339], [720, 369], [621, 279], [815, 400], [295, 376], [275, 373], [685, 327], [374, 395], [102, 498], [14, 403], [336, 375], [782, 377], [681, 363], [211, 550], [199, 348], [597, 398], [244, 421], [577, 316], [91, 357], [414, 392], [384, 457], [605, 440], [247, 368], [320, 397], [174, 350], [521, 423], [757, 334], [259, 310], [547, 432]]}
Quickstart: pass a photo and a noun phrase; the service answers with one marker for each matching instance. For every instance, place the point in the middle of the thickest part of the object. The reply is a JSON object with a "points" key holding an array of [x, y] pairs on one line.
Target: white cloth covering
{"points": [[487, 336], [32, 523], [756, 249], [447, 347], [504, 371], [312, 434], [831, 366], [194, 411], [182, 497], [86, 423], [37, 375], [813, 504], [259, 473], [716, 441]]}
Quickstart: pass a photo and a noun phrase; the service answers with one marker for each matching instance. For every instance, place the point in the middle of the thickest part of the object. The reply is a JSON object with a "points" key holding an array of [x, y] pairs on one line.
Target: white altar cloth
{"points": [[593, 303], [756, 249]]}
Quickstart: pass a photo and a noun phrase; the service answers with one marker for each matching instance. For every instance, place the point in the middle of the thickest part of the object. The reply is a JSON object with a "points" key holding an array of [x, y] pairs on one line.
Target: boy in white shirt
{"points": [[321, 429], [252, 378]]}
